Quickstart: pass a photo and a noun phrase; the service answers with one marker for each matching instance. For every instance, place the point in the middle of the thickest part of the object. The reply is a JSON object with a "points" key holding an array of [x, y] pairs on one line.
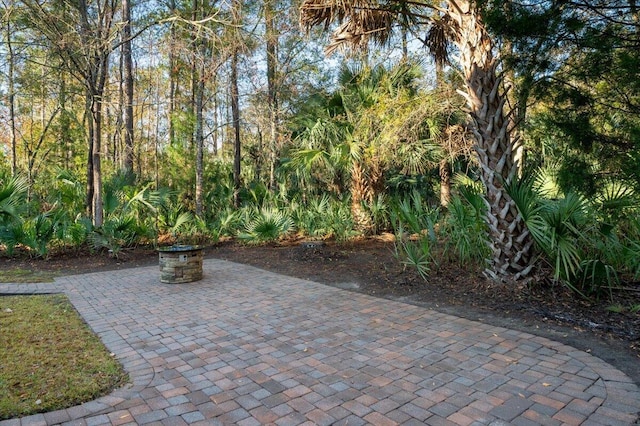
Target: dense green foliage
{"points": [[364, 148]]}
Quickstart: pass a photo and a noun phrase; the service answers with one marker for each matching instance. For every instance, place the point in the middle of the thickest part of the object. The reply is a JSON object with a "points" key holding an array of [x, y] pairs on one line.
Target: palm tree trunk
{"points": [[510, 241], [444, 169], [360, 192]]}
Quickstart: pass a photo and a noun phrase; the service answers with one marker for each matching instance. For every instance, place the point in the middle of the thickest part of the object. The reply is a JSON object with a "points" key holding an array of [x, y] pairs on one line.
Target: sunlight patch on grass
{"points": [[49, 358], [21, 276]]}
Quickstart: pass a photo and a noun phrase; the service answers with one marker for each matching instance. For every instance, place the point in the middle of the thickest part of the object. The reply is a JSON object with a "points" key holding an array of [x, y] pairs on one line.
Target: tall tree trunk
{"points": [[198, 75], [235, 104], [360, 192], [199, 140], [101, 68], [12, 98], [215, 115], [235, 112], [117, 153], [510, 241], [90, 138], [272, 101], [173, 76], [195, 14], [96, 151], [128, 86], [64, 134]]}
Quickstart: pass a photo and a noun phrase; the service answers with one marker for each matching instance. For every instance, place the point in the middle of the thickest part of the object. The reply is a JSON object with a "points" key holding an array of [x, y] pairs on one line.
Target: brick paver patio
{"points": [[249, 347]]}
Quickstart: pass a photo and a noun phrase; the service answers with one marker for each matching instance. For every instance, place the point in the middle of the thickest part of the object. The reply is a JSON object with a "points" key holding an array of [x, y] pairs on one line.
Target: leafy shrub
{"points": [[414, 215], [114, 234], [414, 253], [12, 198], [11, 235], [378, 210], [465, 230], [323, 217], [589, 243], [268, 224], [38, 233]]}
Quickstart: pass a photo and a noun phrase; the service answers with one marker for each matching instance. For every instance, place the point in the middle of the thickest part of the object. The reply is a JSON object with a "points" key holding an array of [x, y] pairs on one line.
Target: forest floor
{"points": [[369, 266]]}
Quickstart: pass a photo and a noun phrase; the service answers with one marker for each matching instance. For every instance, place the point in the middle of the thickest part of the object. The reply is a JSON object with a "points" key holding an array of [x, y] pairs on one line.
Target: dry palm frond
{"points": [[440, 34], [361, 21]]}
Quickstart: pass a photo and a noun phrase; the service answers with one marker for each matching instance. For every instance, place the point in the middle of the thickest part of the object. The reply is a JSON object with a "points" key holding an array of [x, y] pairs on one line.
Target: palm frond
{"points": [[439, 36], [12, 196], [309, 158], [360, 21]]}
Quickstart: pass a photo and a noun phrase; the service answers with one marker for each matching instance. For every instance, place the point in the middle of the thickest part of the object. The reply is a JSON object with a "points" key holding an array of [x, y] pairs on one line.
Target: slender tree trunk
{"points": [[156, 138], [235, 104], [173, 75], [510, 241], [199, 139], [116, 144], [235, 112], [96, 84], [128, 86], [196, 6], [272, 102], [197, 84], [12, 99], [215, 115], [96, 201], [65, 125], [90, 138]]}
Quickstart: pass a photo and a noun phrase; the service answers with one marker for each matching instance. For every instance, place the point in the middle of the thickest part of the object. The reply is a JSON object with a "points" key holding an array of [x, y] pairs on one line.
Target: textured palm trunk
{"points": [[360, 192], [444, 170], [510, 241]]}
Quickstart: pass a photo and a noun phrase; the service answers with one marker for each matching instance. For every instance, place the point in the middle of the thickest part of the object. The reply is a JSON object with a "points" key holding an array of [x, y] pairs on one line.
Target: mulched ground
{"points": [[369, 266]]}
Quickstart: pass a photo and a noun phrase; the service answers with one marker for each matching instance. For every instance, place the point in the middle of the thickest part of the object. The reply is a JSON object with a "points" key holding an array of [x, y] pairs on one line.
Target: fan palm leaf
{"points": [[12, 197]]}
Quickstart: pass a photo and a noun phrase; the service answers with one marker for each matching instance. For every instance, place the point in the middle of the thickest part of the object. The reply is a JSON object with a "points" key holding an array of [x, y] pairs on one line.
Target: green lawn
{"points": [[49, 358], [26, 276]]}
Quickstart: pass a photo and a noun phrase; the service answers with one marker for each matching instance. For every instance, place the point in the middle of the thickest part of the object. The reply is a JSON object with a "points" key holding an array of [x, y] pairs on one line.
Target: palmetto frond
{"points": [[360, 21], [12, 194], [439, 36]]}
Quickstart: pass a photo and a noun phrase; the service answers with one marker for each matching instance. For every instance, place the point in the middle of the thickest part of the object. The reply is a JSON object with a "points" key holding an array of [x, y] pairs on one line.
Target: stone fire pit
{"points": [[180, 264]]}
